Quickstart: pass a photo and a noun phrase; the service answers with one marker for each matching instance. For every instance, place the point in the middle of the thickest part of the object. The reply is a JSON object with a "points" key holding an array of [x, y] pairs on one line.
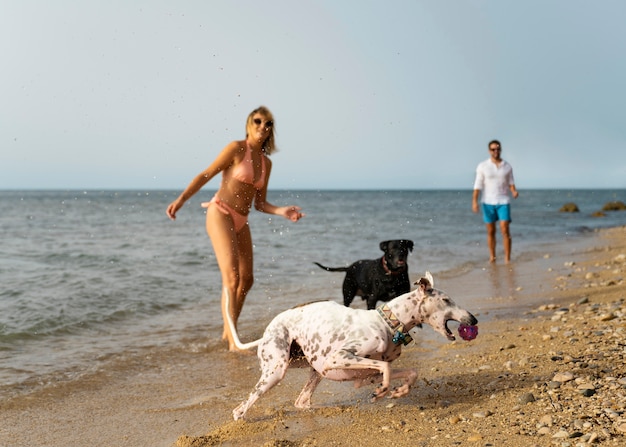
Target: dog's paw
{"points": [[303, 403], [239, 412], [399, 392], [380, 392]]}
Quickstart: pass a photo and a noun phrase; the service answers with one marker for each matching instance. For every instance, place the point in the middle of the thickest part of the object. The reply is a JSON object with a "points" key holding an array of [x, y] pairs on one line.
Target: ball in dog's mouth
{"points": [[468, 332]]}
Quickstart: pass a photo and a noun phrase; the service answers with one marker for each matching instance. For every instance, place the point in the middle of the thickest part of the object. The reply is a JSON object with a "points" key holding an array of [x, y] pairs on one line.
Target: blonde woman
{"points": [[245, 168]]}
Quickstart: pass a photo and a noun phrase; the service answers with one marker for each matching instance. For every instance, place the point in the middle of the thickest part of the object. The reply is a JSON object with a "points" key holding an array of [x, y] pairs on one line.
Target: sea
{"points": [[91, 277]]}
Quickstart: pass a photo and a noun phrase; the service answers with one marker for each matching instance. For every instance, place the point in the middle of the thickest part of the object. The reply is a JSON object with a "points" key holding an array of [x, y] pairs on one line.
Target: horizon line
{"points": [[95, 189]]}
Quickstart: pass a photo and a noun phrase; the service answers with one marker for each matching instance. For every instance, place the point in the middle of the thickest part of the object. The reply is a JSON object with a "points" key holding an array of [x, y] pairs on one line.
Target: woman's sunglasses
{"points": [[268, 124]]}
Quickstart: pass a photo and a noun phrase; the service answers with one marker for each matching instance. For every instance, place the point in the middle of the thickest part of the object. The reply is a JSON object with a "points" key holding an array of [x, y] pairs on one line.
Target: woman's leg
{"points": [[246, 272], [221, 230]]}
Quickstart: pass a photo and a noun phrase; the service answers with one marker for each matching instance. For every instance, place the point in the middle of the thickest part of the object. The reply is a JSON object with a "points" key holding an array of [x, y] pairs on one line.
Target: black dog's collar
{"points": [[387, 270], [397, 328]]}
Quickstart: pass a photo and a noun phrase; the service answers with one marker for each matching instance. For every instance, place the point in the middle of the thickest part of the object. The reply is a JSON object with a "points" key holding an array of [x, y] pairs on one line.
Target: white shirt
{"points": [[494, 181]]}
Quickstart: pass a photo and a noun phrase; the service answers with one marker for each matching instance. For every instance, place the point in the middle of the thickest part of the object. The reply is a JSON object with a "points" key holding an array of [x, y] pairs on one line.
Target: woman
{"points": [[245, 168]]}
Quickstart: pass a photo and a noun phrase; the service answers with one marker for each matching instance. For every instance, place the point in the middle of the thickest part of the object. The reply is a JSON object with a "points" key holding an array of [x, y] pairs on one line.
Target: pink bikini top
{"points": [[244, 171]]}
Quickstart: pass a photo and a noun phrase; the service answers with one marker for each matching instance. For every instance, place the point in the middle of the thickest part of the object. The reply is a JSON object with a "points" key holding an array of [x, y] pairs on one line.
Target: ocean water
{"points": [[91, 276]]}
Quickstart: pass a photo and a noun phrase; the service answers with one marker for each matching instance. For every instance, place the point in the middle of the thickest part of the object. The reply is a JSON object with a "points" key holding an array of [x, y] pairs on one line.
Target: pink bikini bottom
{"points": [[239, 220]]}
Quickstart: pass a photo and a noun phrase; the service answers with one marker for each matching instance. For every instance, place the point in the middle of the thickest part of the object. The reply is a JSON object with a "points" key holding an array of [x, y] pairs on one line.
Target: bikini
{"points": [[244, 173]]}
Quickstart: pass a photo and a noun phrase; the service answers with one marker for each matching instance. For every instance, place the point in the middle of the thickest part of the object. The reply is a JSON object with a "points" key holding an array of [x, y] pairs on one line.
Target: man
{"points": [[494, 177]]}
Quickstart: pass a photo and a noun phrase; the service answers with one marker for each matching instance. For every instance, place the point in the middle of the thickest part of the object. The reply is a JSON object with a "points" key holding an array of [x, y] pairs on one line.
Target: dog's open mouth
{"points": [[449, 334], [470, 320]]}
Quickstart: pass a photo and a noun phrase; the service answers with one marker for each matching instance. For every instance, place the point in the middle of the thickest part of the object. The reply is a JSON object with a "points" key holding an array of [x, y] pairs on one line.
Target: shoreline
{"points": [[466, 391]]}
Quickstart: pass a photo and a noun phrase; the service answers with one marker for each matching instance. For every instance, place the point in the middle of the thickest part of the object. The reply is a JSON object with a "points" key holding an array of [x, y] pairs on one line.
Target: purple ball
{"points": [[468, 332]]}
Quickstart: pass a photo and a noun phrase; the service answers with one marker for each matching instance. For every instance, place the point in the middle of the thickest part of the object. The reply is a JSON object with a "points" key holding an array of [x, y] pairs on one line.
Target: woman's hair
{"points": [[269, 145]]}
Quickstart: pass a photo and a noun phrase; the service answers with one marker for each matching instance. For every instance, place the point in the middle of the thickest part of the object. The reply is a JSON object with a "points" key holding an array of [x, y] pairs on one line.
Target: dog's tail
{"points": [[233, 330], [331, 269]]}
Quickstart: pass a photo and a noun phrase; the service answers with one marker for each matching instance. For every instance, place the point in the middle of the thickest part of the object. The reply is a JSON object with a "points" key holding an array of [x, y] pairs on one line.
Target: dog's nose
{"points": [[473, 321]]}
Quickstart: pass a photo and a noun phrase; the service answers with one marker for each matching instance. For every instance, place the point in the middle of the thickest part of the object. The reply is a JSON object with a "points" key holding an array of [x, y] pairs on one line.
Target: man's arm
{"points": [[475, 200]]}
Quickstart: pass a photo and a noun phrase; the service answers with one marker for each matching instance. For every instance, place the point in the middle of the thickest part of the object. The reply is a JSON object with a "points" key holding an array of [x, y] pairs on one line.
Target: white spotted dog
{"points": [[346, 344]]}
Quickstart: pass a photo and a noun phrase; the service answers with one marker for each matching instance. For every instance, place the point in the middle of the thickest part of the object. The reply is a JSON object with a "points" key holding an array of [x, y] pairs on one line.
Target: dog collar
{"points": [[387, 270], [396, 327]]}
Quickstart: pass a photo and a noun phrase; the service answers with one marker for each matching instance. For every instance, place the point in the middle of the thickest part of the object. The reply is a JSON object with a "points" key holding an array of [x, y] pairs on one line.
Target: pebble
{"points": [[509, 365], [587, 392], [543, 431], [454, 420], [563, 377], [526, 398]]}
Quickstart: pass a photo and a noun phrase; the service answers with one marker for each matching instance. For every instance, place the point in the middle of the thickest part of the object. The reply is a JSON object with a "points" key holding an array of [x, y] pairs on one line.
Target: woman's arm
{"points": [[222, 162], [261, 204]]}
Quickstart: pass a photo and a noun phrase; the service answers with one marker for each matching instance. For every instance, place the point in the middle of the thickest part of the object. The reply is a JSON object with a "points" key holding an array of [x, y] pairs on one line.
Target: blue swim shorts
{"points": [[493, 213]]}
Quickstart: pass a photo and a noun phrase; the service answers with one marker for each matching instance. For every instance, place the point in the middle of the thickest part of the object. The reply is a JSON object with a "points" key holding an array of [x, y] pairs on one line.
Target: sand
{"points": [[546, 369]]}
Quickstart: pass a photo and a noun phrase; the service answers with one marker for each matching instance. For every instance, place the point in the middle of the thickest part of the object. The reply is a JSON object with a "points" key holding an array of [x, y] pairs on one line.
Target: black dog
{"points": [[377, 279]]}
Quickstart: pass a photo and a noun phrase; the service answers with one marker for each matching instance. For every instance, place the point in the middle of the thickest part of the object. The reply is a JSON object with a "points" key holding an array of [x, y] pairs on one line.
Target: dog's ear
{"points": [[423, 284], [429, 277], [383, 245], [427, 283], [408, 244]]}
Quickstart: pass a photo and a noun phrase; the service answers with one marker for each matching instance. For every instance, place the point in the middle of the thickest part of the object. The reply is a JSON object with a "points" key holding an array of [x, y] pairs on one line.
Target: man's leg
{"points": [[491, 240], [506, 240]]}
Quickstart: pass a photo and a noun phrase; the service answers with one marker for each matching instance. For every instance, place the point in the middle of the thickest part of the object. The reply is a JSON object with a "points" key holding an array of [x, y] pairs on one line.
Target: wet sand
{"points": [[556, 313]]}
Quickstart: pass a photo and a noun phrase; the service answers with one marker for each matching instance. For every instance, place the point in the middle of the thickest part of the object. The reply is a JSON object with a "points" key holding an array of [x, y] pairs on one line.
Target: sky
{"points": [[401, 94]]}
